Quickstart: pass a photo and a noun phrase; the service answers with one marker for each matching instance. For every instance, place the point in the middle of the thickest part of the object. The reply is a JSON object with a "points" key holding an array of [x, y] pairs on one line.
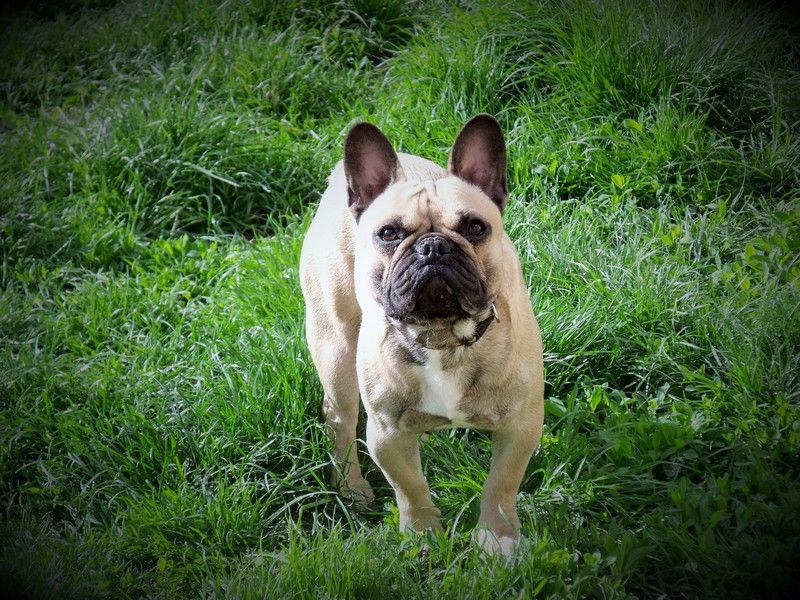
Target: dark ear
{"points": [[370, 166], [479, 157]]}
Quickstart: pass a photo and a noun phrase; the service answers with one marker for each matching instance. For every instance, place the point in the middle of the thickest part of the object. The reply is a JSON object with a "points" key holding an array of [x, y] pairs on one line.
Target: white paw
{"points": [[510, 548]]}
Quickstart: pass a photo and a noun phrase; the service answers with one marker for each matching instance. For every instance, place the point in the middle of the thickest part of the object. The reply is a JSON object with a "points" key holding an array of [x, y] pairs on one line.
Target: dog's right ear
{"points": [[479, 157], [370, 166]]}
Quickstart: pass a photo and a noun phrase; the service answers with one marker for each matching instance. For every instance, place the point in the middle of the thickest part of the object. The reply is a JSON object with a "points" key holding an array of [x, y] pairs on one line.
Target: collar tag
{"points": [[494, 312]]}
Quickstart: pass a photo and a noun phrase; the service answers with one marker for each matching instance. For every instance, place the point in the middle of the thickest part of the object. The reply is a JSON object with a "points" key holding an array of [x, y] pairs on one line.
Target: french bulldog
{"points": [[416, 301]]}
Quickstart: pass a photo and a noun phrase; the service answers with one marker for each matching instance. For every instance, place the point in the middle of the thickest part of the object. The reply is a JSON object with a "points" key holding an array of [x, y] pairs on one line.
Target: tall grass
{"points": [[159, 414]]}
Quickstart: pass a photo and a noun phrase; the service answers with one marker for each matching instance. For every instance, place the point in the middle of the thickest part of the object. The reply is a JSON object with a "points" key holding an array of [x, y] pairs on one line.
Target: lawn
{"points": [[160, 430]]}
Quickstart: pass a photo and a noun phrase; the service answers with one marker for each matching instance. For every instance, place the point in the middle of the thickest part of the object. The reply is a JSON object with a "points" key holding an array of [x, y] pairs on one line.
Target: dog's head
{"points": [[429, 252]]}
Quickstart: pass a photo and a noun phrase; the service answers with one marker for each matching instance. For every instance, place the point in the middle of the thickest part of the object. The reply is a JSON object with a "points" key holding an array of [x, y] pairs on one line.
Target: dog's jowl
{"points": [[415, 301]]}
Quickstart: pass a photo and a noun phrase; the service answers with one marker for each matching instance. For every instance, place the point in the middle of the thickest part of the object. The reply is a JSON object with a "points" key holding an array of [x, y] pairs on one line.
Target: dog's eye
{"points": [[476, 228], [388, 233]]}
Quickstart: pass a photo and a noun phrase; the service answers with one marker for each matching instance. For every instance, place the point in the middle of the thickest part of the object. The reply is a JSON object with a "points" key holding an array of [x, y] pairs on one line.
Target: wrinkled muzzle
{"points": [[434, 279]]}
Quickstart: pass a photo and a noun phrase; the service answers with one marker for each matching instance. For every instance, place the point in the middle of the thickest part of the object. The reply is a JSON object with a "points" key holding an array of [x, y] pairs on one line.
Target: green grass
{"points": [[159, 424]]}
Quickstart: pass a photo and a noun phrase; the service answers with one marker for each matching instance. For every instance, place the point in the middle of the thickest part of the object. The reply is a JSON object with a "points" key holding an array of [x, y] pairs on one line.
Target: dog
{"points": [[415, 300]]}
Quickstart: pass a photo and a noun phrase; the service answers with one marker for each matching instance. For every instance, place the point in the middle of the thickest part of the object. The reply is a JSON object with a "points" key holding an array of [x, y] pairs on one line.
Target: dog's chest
{"points": [[441, 390]]}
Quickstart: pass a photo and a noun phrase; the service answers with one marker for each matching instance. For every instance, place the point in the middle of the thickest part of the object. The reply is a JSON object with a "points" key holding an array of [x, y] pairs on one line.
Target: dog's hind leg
{"points": [[334, 354]]}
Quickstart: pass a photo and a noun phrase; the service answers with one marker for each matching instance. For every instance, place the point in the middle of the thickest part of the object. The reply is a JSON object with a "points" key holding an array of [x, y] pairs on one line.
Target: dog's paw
{"points": [[421, 521], [510, 548], [358, 492]]}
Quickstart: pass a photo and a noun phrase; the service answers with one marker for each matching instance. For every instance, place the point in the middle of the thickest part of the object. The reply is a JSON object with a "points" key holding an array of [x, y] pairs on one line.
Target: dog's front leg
{"points": [[397, 454], [498, 525]]}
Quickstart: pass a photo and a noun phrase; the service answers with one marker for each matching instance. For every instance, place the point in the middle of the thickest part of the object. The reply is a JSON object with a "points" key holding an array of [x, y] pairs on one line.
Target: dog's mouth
{"points": [[433, 299], [437, 300]]}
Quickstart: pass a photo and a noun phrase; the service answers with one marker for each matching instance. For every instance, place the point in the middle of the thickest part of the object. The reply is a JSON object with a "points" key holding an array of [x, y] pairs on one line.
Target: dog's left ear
{"points": [[479, 157], [370, 166]]}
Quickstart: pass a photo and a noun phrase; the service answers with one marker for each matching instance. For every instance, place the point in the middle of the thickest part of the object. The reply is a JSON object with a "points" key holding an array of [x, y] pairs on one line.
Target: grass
{"points": [[159, 413]]}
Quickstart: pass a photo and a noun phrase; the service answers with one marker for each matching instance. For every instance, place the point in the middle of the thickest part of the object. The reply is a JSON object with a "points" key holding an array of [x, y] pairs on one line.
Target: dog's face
{"points": [[429, 253], [431, 249]]}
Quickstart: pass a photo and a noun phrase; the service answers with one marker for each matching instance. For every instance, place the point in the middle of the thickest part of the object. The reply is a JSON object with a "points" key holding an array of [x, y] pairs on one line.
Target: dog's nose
{"points": [[433, 244]]}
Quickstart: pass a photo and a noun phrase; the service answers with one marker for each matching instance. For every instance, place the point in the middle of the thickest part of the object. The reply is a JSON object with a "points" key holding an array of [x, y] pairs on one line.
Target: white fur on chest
{"points": [[441, 390]]}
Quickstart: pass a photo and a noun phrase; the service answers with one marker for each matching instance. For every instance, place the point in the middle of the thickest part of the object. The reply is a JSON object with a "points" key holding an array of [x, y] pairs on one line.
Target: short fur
{"points": [[374, 326]]}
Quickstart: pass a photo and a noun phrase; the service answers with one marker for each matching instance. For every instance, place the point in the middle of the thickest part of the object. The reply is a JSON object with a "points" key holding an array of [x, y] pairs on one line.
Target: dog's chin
{"points": [[434, 319]]}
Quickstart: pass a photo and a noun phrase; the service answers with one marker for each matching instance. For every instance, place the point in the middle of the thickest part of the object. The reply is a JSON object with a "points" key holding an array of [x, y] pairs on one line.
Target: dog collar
{"points": [[482, 326]]}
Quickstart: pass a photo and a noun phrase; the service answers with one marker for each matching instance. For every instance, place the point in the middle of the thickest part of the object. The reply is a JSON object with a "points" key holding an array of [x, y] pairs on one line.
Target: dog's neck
{"points": [[459, 333]]}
